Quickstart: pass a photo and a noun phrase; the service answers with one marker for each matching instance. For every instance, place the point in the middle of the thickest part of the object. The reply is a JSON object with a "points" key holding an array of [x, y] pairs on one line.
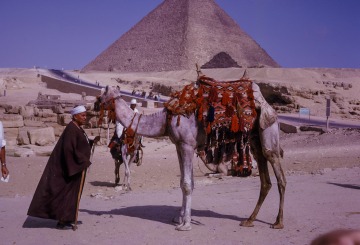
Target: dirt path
{"points": [[314, 204], [322, 194]]}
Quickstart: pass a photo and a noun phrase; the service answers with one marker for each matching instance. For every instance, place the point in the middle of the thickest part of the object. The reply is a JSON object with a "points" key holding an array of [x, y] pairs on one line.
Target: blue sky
{"points": [[70, 33]]}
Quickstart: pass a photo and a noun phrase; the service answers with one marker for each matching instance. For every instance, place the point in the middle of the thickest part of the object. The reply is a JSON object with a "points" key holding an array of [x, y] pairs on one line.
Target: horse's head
{"points": [[106, 102]]}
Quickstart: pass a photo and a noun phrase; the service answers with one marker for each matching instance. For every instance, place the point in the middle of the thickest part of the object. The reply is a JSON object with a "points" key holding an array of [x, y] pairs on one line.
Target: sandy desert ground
{"points": [[323, 183]]}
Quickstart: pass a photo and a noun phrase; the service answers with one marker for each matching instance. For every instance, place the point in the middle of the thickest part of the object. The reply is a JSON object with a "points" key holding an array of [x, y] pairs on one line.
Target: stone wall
{"points": [[29, 125]]}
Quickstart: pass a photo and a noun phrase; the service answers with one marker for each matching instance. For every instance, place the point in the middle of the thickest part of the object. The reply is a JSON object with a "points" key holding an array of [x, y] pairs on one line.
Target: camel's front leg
{"points": [[185, 154], [281, 182]]}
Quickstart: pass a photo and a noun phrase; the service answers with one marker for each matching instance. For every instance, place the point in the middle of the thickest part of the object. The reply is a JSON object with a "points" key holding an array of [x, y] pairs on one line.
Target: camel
{"points": [[190, 135]]}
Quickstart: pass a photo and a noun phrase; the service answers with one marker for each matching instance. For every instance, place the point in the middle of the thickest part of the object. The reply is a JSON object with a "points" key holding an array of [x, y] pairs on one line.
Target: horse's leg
{"points": [[130, 161], [117, 171], [127, 169], [264, 177], [185, 154], [273, 152]]}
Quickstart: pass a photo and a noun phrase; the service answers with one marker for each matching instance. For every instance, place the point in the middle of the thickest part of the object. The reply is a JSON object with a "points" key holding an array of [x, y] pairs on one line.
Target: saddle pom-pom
{"points": [[234, 124], [208, 129]]}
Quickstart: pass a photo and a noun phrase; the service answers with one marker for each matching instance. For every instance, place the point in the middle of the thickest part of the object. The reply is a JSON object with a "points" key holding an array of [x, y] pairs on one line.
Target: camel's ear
{"points": [[102, 91]]}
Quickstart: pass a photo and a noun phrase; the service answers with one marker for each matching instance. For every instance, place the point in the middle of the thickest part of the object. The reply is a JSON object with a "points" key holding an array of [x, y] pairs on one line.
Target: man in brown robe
{"points": [[59, 190]]}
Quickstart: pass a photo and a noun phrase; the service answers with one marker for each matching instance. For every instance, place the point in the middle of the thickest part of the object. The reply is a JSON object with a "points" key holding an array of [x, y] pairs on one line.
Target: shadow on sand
{"points": [[102, 184], [349, 186], [32, 222], [162, 213]]}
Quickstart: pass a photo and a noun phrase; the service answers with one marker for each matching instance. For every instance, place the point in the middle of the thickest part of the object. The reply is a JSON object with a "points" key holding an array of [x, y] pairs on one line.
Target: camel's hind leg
{"points": [[281, 182], [264, 178], [271, 150]]}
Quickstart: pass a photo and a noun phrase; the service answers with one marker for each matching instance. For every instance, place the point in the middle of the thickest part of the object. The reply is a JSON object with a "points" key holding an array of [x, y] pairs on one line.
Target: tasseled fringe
{"points": [[217, 155], [234, 127], [230, 150], [182, 99], [225, 100], [236, 99], [213, 95], [200, 113], [209, 156], [211, 114], [213, 137], [200, 93], [247, 152], [229, 111], [220, 135], [208, 129]]}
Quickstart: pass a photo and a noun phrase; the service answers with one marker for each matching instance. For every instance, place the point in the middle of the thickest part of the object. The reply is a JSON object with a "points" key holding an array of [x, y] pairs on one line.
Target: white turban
{"points": [[77, 110]]}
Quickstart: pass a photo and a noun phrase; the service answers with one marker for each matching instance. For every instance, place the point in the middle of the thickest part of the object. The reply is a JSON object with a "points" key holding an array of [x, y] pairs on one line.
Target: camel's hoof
{"points": [[247, 223], [277, 226], [183, 227]]}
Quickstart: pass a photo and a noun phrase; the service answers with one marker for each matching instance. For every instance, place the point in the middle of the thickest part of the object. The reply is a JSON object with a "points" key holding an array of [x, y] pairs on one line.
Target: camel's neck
{"points": [[152, 125]]}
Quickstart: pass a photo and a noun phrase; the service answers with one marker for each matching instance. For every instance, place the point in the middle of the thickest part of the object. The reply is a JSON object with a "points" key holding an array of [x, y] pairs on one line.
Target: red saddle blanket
{"points": [[227, 111]]}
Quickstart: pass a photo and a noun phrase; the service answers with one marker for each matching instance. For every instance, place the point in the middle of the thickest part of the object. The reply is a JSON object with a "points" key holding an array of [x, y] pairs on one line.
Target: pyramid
{"points": [[176, 35], [221, 60]]}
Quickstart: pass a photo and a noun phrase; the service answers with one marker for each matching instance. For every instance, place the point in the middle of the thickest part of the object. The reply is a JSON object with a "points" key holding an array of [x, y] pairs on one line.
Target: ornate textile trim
{"points": [[227, 111]]}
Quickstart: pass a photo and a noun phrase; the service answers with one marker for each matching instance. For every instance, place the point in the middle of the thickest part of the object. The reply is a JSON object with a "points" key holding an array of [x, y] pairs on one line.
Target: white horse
{"points": [[126, 152], [124, 149]]}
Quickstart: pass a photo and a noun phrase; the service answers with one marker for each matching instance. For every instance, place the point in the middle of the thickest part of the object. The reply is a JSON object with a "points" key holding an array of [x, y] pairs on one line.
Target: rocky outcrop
{"points": [[42, 136]]}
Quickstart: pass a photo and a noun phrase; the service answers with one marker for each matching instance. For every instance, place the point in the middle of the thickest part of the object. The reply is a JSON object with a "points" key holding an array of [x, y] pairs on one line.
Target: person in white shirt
{"points": [[119, 126], [4, 170]]}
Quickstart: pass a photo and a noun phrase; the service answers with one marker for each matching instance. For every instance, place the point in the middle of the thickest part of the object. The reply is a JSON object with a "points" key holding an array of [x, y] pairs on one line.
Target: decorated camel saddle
{"points": [[227, 112]]}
